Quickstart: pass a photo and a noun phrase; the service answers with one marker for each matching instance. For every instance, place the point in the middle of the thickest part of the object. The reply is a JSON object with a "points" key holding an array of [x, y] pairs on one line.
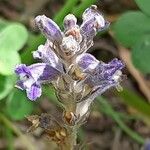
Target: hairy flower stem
{"points": [[70, 140]]}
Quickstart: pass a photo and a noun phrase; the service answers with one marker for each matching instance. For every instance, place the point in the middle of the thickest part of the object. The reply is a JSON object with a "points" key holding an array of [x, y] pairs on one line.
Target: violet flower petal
{"points": [[20, 85], [46, 54], [105, 73], [49, 73], [91, 13], [34, 92], [86, 62], [38, 72], [93, 21], [34, 76], [43, 71], [87, 29], [112, 67], [70, 21], [49, 28], [22, 70]]}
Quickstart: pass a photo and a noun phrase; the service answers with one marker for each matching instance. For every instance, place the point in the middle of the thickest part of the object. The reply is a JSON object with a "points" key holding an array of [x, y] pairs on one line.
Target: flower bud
{"points": [[49, 28], [70, 21], [69, 45]]}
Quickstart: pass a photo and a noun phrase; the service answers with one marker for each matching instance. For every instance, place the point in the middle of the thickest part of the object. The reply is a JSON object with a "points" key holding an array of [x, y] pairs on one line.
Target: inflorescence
{"points": [[77, 76]]}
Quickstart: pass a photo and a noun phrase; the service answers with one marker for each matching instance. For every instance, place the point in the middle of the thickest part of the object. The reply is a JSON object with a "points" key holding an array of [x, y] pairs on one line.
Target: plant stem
{"points": [[70, 140]]}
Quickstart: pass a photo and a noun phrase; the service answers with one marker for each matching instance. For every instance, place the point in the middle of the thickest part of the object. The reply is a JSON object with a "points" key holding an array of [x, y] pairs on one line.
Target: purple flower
{"points": [[49, 28], [78, 77], [86, 62], [93, 22], [98, 73], [70, 21], [47, 55], [75, 40], [31, 78], [99, 76]]}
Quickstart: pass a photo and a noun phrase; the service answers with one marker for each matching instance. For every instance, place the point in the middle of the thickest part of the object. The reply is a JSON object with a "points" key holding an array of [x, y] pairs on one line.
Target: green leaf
{"points": [[6, 85], [144, 5], [141, 54], [8, 62], [3, 24], [18, 106], [12, 38], [130, 27]]}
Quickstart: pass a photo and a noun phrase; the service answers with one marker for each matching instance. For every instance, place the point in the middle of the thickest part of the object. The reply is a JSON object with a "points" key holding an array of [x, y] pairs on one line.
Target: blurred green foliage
{"points": [[132, 29], [18, 106], [141, 54], [13, 37], [144, 6], [6, 85]]}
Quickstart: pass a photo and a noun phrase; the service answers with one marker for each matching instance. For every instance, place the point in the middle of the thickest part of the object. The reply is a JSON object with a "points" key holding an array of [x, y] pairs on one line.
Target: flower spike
{"points": [[77, 76]]}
